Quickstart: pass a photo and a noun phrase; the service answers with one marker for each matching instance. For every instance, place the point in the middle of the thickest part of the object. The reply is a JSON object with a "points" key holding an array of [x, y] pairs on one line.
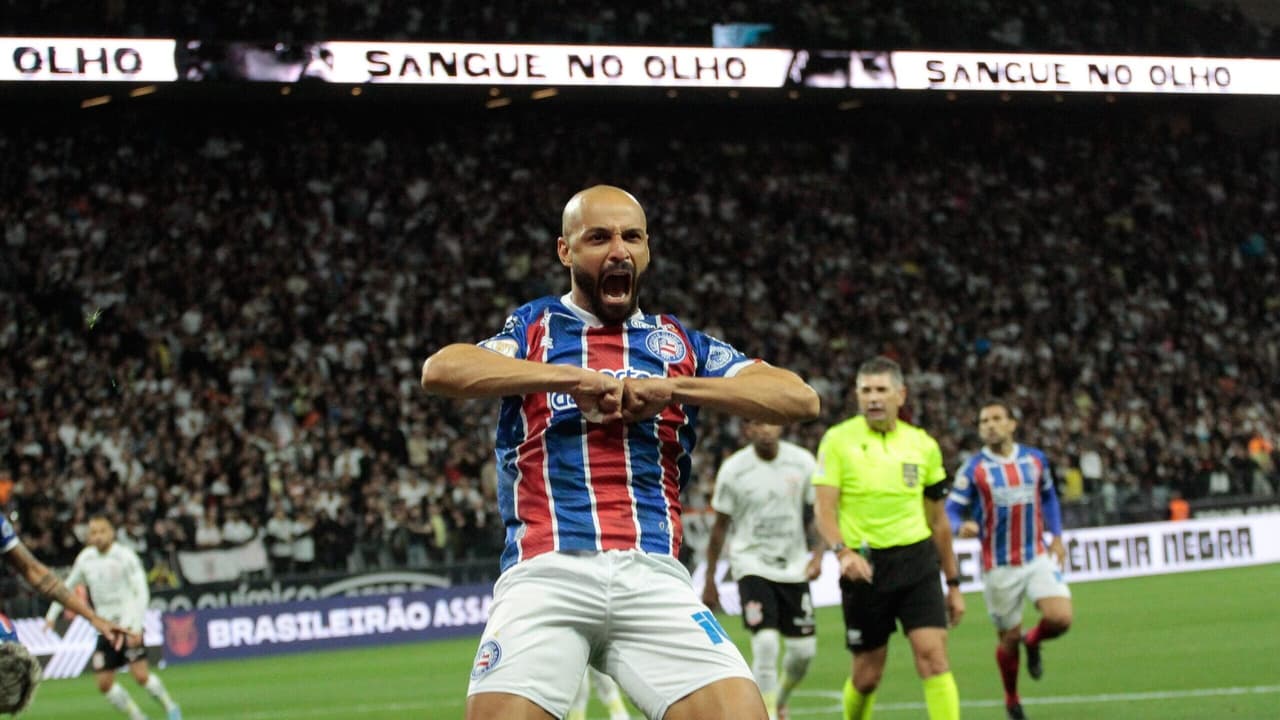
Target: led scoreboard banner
{"points": [[162, 60]]}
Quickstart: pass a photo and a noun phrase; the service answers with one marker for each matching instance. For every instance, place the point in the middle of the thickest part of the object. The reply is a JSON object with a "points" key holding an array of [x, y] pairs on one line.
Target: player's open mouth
{"points": [[615, 286]]}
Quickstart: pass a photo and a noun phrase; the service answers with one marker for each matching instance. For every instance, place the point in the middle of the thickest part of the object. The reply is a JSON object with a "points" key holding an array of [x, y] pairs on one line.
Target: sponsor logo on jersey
{"points": [[487, 658], [910, 474], [962, 482], [668, 346], [1006, 496], [564, 402]]}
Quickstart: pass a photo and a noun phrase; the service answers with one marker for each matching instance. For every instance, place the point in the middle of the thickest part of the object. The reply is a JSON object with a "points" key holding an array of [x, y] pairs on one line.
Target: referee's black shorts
{"points": [[905, 589]]}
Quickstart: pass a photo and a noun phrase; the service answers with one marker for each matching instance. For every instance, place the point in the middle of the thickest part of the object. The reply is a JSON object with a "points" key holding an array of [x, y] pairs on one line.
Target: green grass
{"points": [[1168, 647]]}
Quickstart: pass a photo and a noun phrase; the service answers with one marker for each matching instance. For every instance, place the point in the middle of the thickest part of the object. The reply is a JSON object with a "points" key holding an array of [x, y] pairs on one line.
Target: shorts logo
{"points": [[910, 474], [715, 632], [753, 613], [487, 658], [718, 357], [668, 346], [853, 637], [99, 661]]}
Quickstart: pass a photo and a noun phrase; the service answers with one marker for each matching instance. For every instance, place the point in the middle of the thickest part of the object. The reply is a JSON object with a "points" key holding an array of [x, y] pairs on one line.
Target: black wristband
{"points": [[953, 582]]}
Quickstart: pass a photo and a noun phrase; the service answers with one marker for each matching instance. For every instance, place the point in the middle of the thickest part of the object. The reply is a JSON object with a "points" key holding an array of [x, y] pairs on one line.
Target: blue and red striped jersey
{"points": [[567, 484], [1012, 499]]}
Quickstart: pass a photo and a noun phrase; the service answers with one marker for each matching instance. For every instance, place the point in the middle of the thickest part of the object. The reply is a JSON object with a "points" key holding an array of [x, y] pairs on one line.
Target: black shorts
{"points": [[106, 657], [906, 589], [785, 607]]}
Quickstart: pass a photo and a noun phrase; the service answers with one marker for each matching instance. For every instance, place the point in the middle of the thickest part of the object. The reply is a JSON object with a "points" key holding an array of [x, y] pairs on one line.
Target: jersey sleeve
{"points": [[1049, 505], [134, 615], [722, 496], [963, 488], [811, 466], [717, 358], [511, 340], [829, 466], [935, 475], [8, 536]]}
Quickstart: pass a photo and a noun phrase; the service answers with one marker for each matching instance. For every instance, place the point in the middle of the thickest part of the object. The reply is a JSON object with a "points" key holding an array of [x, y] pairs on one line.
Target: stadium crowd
{"points": [[213, 328], [1140, 26]]}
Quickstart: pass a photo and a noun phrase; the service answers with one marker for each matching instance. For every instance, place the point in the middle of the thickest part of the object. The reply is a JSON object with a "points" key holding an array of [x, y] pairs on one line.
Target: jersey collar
{"points": [[1012, 456], [586, 316]]}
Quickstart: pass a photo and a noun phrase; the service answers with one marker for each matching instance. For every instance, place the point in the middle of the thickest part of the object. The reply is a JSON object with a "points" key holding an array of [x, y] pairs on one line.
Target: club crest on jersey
{"points": [[910, 474], [487, 658], [667, 345]]}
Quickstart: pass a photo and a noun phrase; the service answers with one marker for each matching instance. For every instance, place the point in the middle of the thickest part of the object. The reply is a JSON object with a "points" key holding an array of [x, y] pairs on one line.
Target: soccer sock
{"points": [[856, 705], [764, 666], [156, 688], [942, 697], [1008, 664], [794, 665], [125, 704], [1040, 633]]}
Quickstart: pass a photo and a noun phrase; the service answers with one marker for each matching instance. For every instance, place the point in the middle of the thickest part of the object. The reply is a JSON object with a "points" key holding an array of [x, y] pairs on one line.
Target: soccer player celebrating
{"points": [[594, 438], [118, 585], [1007, 491], [762, 498], [880, 486]]}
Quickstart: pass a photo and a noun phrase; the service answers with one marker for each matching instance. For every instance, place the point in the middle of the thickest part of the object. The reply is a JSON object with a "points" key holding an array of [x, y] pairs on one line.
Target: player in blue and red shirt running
{"points": [[1007, 491], [597, 426]]}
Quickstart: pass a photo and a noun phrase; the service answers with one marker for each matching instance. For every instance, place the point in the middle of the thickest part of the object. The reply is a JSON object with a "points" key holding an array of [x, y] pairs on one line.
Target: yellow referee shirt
{"points": [[882, 477]]}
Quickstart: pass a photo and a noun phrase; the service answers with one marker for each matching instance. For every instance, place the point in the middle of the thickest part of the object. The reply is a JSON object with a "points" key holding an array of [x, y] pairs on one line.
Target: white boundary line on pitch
{"points": [[369, 708], [1056, 700]]}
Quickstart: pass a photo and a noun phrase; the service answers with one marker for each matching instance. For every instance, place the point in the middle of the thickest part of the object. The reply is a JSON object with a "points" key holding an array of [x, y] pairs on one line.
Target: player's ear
{"points": [[562, 249]]}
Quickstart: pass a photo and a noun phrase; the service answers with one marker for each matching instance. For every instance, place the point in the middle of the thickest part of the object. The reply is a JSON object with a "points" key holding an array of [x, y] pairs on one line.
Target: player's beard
{"points": [[590, 285]]}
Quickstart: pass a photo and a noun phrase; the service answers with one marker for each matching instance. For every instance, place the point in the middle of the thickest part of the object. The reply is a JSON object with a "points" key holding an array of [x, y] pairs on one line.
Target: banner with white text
{"points": [[511, 64], [1102, 553]]}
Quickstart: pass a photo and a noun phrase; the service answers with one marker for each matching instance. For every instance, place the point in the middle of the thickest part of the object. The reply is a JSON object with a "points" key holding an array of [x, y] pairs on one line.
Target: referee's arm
{"points": [[935, 512]]}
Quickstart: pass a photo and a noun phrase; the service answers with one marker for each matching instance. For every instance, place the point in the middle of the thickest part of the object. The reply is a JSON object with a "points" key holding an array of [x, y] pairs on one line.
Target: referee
{"points": [[880, 492]]}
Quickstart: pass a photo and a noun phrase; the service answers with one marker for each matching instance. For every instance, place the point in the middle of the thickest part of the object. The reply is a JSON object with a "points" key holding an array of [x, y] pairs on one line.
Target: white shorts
{"points": [[630, 615], [1006, 587]]}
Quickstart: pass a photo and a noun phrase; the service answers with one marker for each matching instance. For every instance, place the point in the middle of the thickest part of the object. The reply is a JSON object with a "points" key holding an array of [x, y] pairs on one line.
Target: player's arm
{"points": [[45, 582], [710, 594], [139, 596], [957, 505], [1052, 512], [757, 392], [470, 372], [817, 546]]}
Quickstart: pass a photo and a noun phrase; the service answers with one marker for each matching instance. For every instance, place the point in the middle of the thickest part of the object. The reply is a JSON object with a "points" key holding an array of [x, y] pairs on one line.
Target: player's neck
{"points": [[766, 456], [1004, 449]]}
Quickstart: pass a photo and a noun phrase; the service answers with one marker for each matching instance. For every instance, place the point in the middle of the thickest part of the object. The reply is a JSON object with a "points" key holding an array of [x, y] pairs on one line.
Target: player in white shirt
{"points": [[118, 586], [763, 502], [20, 673]]}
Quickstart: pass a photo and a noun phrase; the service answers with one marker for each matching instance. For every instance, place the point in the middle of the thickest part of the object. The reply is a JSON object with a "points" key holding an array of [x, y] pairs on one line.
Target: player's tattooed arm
{"points": [[40, 576]]}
